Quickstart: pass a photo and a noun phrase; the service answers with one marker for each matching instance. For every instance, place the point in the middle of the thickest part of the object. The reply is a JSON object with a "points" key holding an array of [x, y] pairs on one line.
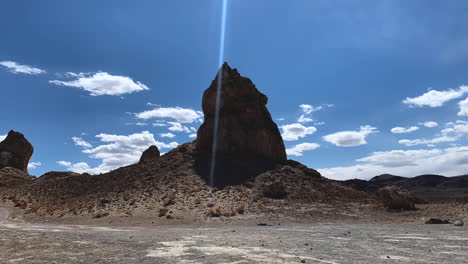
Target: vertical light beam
{"points": [[218, 92]]}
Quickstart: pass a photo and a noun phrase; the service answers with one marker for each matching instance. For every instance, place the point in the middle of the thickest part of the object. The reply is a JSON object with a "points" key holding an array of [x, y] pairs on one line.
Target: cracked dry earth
{"points": [[22, 242]]}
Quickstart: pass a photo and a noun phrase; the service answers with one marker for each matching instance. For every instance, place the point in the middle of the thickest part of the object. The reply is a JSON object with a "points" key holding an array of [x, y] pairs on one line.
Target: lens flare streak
{"points": [[218, 93]]}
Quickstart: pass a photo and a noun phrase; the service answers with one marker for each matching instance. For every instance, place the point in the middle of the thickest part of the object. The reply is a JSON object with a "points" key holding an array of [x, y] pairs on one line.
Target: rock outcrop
{"points": [[245, 126], [395, 198], [150, 154], [248, 141], [15, 151]]}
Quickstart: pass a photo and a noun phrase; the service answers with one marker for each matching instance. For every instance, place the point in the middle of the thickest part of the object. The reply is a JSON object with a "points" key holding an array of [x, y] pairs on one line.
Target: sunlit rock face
{"points": [[246, 130], [15, 151]]}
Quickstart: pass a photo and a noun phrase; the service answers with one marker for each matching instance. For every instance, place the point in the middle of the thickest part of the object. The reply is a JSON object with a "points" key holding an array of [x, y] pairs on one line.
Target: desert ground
{"points": [[242, 242]]}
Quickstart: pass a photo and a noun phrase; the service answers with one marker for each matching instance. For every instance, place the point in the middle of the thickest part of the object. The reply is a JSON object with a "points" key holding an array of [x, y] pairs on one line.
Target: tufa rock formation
{"points": [[248, 141], [245, 125], [150, 154], [15, 151]]}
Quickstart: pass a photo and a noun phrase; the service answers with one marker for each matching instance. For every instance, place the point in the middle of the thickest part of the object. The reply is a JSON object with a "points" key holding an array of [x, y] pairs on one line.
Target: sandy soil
{"points": [[278, 242]]}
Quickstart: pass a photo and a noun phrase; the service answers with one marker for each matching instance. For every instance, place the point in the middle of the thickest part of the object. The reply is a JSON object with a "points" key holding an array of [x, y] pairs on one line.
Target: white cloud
{"points": [[103, 83], [419, 141], [430, 124], [463, 107], [194, 135], [350, 138], [33, 165], [167, 135], [178, 127], [2, 137], [309, 109], [295, 131], [434, 98], [456, 128], [119, 150], [401, 130], [182, 115], [159, 124], [298, 149], [303, 119], [17, 68], [408, 163], [81, 142]]}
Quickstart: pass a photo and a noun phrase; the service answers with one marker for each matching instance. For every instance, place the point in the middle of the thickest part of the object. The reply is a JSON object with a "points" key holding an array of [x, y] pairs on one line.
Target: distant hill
{"points": [[430, 187]]}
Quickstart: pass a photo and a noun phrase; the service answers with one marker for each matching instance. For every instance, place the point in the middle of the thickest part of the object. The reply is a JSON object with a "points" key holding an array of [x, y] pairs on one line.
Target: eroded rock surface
{"points": [[248, 141], [15, 151], [245, 125]]}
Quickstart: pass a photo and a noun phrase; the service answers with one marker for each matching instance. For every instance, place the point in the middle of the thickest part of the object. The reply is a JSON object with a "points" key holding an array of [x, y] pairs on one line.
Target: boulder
{"points": [[15, 151], [245, 126], [436, 221], [395, 198], [150, 154], [459, 223]]}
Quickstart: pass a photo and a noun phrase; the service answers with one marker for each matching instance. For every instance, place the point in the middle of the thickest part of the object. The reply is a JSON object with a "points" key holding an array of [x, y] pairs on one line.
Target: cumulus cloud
{"points": [[350, 138], [194, 135], [103, 83], [434, 98], [18, 68], [182, 115], [81, 142], [457, 128], [117, 151], [401, 130], [463, 107], [2, 137], [298, 149], [33, 165], [178, 127], [450, 162], [295, 131], [430, 124], [167, 135]]}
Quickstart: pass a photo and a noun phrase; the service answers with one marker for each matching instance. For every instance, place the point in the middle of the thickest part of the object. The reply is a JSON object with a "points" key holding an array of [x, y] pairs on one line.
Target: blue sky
{"points": [[357, 88]]}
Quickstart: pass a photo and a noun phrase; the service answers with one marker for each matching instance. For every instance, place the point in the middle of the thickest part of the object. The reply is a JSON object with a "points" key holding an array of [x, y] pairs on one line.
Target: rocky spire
{"points": [[245, 126]]}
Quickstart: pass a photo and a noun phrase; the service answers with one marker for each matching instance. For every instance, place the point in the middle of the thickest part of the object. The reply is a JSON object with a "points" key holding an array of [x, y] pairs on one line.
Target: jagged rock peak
{"points": [[150, 154], [245, 126], [15, 151]]}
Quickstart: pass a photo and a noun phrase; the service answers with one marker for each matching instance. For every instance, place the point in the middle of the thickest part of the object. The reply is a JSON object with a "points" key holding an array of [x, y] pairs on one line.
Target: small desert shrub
{"points": [[163, 211], [214, 213], [210, 205], [240, 209]]}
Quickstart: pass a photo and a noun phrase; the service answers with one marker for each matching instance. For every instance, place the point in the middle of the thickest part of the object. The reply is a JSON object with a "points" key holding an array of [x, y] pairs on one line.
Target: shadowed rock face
{"points": [[150, 154], [245, 125], [249, 142], [15, 151]]}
